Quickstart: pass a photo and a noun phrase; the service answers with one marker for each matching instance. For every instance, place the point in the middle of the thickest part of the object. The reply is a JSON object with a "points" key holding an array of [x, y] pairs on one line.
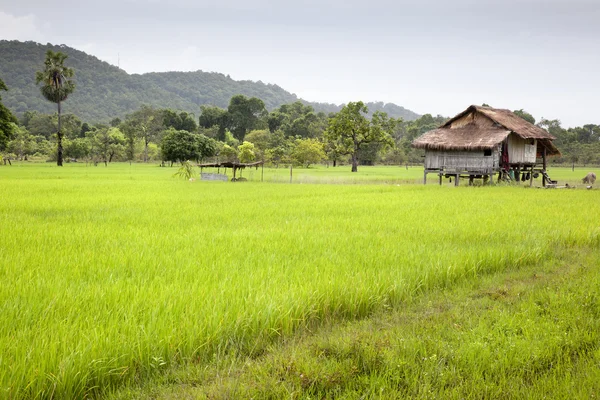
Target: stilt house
{"points": [[482, 142]]}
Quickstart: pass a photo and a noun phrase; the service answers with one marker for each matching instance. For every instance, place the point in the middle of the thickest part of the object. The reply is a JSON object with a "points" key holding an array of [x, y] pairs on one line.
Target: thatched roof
{"points": [[468, 137], [476, 136]]}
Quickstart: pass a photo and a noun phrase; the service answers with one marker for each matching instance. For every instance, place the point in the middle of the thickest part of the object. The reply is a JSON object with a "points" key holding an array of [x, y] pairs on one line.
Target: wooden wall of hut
{"points": [[521, 151], [474, 160]]}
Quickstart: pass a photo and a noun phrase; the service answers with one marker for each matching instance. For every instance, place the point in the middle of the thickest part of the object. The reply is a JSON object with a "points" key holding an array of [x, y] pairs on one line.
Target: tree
{"points": [[308, 151], [244, 115], [180, 122], [350, 130], [181, 145], [260, 138], [56, 87], [107, 143], [23, 144], [228, 153], [246, 152], [77, 148], [214, 116], [297, 119], [145, 123], [525, 115], [207, 147], [7, 121]]}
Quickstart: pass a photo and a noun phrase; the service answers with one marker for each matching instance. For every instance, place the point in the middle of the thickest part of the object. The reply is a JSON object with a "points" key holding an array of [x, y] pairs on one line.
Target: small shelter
{"points": [[481, 142], [235, 166]]}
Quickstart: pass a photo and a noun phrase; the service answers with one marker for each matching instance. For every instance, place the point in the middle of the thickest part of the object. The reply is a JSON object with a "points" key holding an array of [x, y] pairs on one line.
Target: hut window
{"points": [[487, 152]]}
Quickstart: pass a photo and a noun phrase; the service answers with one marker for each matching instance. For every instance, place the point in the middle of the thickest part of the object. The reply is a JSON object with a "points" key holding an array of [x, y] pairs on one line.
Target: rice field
{"points": [[108, 276]]}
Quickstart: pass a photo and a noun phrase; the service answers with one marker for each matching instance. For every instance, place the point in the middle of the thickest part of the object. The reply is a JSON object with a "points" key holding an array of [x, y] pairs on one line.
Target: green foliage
{"points": [[179, 146], [77, 148], [55, 78], [244, 114], [214, 117], [7, 121], [350, 130], [147, 123], [180, 122], [308, 151], [261, 139], [578, 145], [23, 143], [525, 115], [185, 171], [297, 120], [228, 153], [246, 152]]}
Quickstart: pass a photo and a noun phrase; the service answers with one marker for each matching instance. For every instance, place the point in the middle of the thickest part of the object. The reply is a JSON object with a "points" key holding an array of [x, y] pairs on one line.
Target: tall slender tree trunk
{"points": [[59, 136], [146, 149]]}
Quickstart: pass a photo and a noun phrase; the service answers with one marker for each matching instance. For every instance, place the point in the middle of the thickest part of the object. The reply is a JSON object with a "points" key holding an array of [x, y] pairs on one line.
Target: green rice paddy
{"points": [[109, 276]]}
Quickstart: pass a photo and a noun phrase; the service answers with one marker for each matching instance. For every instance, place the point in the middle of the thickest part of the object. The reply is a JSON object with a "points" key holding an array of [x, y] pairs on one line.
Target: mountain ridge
{"points": [[105, 91]]}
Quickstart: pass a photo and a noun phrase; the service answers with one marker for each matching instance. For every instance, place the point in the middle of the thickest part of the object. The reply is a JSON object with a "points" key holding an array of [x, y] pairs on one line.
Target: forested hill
{"points": [[105, 91]]}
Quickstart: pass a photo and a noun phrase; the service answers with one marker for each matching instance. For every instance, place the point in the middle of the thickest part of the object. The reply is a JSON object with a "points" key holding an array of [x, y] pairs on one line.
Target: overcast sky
{"points": [[430, 56]]}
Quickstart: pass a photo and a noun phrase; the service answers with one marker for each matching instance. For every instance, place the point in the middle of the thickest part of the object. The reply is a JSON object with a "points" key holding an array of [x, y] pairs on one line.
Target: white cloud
{"points": [[19, 28]]}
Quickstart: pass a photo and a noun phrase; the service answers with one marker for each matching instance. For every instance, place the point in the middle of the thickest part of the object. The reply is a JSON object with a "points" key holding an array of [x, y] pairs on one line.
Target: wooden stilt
{"points": [[425, 177], [440, 174], [544, 167], [456, 179], [531, 176]]}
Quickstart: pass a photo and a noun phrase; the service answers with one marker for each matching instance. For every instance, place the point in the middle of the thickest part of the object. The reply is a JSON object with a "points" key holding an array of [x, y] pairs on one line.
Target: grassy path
{"points": [[528, 333]]}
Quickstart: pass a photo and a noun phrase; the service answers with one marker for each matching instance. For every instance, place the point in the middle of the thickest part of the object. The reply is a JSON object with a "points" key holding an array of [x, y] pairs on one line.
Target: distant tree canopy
{"points": [[242, 115], [181, 145], [182, 121], [291, 133], [105, 92], [7, 121], [525, 115], [245, 114], [308, 151]]}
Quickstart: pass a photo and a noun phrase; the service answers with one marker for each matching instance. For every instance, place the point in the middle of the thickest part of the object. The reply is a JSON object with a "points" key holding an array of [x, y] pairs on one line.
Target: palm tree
{"points": [[56, 87]]}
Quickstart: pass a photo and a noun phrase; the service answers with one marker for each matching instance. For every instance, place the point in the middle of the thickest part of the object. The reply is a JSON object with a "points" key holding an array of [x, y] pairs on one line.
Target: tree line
{"points": [[244, 131]]}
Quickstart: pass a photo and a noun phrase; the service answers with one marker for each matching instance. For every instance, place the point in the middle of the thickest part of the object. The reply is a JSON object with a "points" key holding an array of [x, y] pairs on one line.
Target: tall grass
{"points": [[108, 275]]}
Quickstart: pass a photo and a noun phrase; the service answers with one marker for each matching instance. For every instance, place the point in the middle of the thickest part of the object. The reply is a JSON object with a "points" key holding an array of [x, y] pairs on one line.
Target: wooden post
{"points": [[456, 180], [492, 178], [425, 177], [470, 180], [262, 172], [440, 174], [531, 176], [290, 173], [544, 167]]}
